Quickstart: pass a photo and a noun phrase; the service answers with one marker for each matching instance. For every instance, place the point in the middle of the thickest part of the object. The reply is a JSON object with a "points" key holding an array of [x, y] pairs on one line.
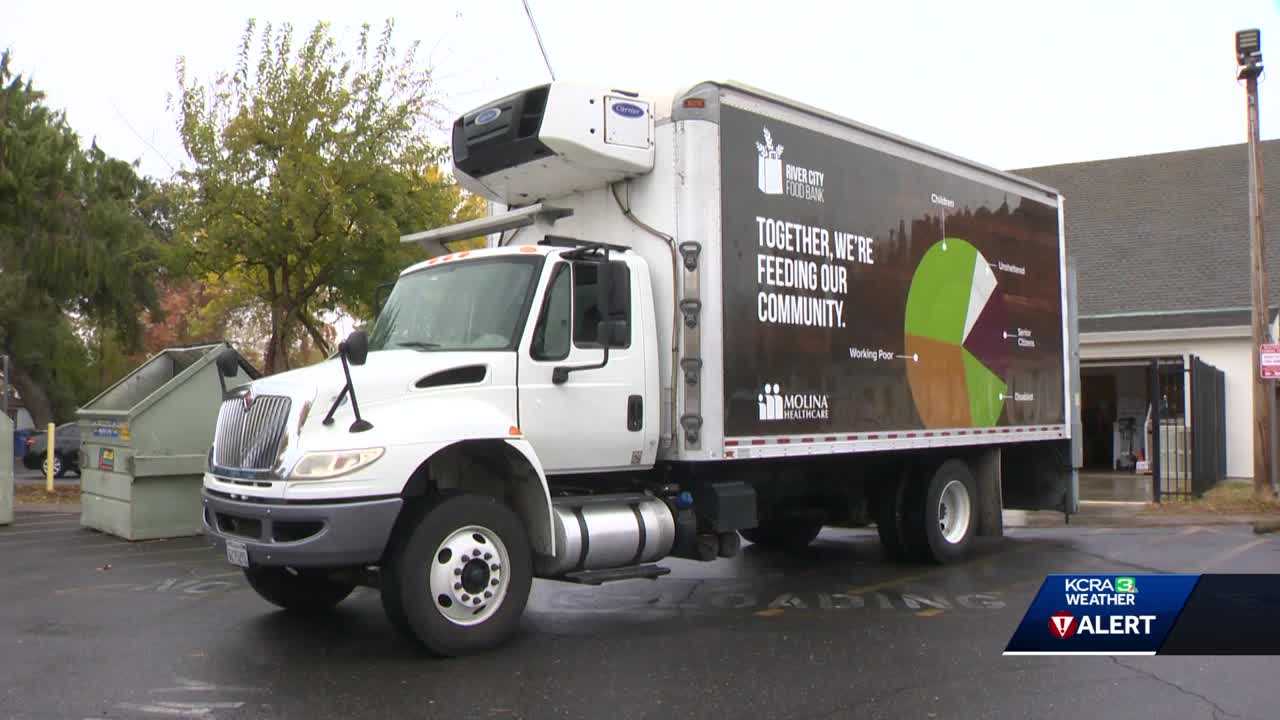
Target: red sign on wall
{"points": [[1269, 360]]}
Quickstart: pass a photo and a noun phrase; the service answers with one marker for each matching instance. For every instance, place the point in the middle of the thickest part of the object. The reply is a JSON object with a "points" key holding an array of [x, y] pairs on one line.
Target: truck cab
{"points": [[569, 360]]}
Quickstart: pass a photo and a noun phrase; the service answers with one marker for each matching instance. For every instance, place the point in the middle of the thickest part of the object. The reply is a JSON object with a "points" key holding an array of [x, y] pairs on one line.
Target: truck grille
{"points": [[250, 439]]}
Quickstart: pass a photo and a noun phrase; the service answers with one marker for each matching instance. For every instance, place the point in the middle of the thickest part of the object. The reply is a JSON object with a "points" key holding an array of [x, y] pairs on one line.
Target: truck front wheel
{"points": [[459, 578], [296, 591]]}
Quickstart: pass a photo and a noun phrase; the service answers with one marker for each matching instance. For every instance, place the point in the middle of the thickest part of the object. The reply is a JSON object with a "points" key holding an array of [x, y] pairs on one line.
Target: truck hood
{"points": [[387, 375], [411, 397]]}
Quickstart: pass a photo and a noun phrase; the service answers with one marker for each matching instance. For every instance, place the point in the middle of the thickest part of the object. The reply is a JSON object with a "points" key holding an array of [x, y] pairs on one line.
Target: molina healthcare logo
{"points": [[774, 405], [1101, 614], [774, 177]]}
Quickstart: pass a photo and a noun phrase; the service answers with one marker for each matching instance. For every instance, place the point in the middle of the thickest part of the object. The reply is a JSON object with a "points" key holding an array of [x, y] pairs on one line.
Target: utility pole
{"points": [[538, 36], [1249, 59]]}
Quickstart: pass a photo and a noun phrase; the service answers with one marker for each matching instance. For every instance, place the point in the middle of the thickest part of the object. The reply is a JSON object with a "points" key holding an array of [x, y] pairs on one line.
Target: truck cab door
{"points": [[599, 418]]}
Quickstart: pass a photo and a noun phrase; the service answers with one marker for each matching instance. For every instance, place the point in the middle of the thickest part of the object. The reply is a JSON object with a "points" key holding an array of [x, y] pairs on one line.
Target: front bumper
{"points": [[320, 535]]}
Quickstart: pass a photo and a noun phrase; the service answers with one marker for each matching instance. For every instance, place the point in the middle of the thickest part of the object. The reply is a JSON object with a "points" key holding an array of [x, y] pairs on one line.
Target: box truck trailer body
{"points": [[713, 314]]}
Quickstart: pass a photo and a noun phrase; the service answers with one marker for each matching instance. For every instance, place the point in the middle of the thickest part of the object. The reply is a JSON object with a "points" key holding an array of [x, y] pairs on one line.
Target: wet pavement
{"points": [[1115, 486], [94, 627]]}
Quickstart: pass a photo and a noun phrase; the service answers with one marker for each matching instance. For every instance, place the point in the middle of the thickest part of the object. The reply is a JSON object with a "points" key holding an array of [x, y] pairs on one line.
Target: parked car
{"points": [[66, 450]]}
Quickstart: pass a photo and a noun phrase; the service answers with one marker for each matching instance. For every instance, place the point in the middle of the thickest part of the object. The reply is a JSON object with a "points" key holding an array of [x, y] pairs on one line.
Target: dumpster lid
{"points": [[156, 377]]}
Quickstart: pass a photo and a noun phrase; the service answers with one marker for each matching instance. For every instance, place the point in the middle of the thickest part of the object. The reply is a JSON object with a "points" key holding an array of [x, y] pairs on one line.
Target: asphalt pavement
{"points": [[95, 627]]}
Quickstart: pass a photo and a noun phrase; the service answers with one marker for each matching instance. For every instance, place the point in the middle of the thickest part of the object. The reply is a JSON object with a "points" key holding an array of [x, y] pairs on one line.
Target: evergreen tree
{"points": [[79, 247]]}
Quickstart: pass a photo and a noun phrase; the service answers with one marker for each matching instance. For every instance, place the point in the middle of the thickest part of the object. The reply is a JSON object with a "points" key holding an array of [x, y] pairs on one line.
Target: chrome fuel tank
{"points": [[600, 532]]}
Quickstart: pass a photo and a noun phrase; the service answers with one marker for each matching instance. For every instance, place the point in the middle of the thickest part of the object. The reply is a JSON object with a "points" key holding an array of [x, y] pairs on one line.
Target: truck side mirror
{"points": [[607, 331], [356, 347], [612, 333], [603, 271]]}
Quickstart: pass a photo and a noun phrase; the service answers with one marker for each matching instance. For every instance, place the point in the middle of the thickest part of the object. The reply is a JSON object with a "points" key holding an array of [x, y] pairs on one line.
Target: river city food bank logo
{"points": [[774, 177], [773, 405]]}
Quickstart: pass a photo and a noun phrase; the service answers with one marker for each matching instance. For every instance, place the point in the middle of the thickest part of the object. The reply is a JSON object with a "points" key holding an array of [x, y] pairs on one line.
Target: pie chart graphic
{"points": [[956, 338]]}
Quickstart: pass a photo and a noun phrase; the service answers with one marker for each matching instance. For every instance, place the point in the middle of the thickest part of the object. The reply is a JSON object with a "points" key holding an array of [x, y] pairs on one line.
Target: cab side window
{"points": [[551, 336], [586, 303]]}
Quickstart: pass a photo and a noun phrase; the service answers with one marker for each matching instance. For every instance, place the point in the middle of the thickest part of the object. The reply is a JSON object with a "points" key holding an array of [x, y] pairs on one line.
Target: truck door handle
{"points": [[635, 413]]}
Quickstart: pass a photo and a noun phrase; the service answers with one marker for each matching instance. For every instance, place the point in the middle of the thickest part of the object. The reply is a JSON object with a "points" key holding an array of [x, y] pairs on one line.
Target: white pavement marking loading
{"points": [[167, 711]]}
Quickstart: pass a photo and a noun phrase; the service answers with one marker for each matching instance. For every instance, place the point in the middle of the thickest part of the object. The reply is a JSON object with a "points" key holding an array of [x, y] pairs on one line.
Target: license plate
{"points": [[237, 554]]}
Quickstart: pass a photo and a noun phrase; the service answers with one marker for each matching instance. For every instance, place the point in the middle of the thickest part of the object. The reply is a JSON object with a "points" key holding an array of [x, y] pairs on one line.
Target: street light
{"points": [[1249, 57], [1249, 50]]}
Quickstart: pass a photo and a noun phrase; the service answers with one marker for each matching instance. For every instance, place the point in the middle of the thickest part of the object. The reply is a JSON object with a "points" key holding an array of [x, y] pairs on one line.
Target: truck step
{"points": [[631, 572]]}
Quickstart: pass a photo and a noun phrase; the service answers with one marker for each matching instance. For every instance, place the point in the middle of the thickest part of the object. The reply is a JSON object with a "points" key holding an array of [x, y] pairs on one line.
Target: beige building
{"points": [[1161, 244]]}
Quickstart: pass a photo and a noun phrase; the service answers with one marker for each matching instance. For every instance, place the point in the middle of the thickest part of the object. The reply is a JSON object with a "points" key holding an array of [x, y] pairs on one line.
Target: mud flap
{"points": [[1038, 476], [986, 471]]}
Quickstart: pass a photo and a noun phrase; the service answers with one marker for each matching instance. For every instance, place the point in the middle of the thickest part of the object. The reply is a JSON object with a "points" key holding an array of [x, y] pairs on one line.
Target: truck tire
{"points": [[459, 577], [890, 519], [942, 513], [296, 592], [789, 535]]}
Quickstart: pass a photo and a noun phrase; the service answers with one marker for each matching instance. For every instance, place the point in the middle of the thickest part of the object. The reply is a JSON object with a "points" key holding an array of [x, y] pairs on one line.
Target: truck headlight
{"points": [[324, 465]]}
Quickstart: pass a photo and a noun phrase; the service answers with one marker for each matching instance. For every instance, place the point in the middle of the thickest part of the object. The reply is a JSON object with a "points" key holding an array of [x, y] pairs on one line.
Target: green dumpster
{"points": [[144, 444], [6, 471]]}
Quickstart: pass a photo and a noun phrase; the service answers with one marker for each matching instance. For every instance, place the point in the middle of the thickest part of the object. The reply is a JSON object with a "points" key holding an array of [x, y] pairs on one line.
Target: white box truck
{"points": [[701, 317]]}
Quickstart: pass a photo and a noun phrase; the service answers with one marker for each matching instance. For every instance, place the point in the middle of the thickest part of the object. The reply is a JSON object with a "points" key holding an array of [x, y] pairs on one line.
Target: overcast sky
{"points": [[1010, 84]]}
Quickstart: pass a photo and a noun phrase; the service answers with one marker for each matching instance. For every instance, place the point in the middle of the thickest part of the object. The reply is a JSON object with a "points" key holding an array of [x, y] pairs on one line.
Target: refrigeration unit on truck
{"points": [[714, 315]]}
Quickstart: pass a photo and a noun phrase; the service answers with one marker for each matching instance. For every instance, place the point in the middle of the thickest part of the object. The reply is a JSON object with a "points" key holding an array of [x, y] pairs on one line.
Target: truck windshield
{"points": [[472, 305]]}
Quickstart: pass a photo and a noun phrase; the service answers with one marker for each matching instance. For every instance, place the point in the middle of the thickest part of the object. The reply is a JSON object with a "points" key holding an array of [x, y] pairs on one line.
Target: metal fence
{"points": [[1187, 443]]}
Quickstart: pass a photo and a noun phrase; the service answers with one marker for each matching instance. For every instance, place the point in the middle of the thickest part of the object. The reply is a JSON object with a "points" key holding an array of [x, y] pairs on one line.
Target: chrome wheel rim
{"points": [[469, 578], [57, 465], [954, 511]]}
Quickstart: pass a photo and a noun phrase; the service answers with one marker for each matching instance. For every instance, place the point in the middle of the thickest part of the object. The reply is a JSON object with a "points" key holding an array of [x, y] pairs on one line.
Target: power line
{"points": [[538, 36], [141, 139]]}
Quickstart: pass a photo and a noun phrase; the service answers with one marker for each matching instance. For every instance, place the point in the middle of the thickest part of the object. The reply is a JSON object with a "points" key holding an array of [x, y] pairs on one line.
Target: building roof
{"points": [[1155, 235]]}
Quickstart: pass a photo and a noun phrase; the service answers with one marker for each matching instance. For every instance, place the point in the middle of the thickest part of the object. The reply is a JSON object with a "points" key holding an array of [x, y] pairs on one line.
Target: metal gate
{"points": [[1208, 426], [1187, 444]]}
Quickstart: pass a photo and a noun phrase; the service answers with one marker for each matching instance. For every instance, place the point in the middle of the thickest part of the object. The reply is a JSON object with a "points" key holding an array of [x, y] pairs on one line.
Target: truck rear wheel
{"points": [[296, 591], [459, 579], [890, 511], [942, 516]]}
